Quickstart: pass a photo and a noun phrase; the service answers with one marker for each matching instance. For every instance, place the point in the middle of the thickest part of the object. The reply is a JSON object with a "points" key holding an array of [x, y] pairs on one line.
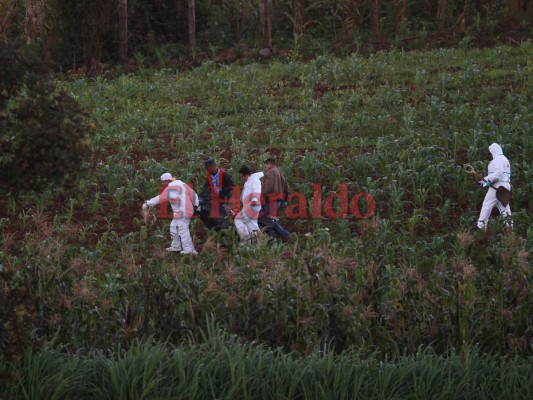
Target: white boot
{"points": [[173, 249]]}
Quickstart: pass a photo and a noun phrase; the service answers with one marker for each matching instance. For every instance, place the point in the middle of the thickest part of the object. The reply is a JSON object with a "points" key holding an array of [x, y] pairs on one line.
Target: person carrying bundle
{"points": [[498, 181]]}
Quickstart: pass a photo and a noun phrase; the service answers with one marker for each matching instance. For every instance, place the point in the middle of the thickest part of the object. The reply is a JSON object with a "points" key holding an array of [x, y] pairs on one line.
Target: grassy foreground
{"points": [[86, 270], [224, 368]]}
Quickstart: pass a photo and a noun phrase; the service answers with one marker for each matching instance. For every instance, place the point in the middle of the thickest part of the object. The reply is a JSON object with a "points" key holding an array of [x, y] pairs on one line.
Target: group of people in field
{"points": [[255, 206]]}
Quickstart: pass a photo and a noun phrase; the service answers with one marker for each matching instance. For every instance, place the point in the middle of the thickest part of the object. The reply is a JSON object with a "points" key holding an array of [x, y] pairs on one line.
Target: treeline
{"points": [[74, 33]]}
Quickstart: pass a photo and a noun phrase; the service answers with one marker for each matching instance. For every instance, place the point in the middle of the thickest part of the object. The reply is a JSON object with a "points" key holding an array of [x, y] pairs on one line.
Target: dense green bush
{"points": [[42, 129]]}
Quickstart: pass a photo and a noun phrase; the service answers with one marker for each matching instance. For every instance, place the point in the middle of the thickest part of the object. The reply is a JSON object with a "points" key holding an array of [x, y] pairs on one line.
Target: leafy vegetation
{"points": [[397, 125], [224, 368], [42, 128]]}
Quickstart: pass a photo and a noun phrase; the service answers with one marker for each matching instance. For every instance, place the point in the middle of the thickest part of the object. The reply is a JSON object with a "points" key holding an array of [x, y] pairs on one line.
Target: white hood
{"points": [[496, 150], [257, 175], [499, 171]]}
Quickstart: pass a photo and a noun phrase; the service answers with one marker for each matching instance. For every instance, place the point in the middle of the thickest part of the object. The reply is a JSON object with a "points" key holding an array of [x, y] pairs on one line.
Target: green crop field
{"points": [[411, 288]]}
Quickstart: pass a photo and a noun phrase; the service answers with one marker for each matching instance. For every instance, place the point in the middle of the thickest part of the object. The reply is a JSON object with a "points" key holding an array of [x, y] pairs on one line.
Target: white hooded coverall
{"points": [[246, 219], [182, 200], [499, 174]]}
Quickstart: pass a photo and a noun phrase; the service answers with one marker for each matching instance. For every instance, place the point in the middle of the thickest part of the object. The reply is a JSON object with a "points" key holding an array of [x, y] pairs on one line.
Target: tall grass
{"points": [[223, 367]]}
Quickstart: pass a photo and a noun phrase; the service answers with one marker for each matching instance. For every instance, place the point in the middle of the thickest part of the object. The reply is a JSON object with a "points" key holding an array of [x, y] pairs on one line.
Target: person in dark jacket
{"points": [[274, 191], [217, 192]]}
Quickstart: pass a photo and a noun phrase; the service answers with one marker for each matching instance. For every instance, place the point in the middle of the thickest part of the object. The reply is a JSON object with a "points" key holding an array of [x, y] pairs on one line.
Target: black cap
{"points": [[209, 162]]}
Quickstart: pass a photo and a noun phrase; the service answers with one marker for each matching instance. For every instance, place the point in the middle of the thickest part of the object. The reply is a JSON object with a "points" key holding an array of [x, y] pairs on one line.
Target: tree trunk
{"points": [[375, 8], [401, 11], [518, 5], [34, 20], [123, 31], [518, 8], [42, 31], [6, 10], [35, 25], [441, 14], [180, 18], [192, 25], [265, 14], [461, 21]]}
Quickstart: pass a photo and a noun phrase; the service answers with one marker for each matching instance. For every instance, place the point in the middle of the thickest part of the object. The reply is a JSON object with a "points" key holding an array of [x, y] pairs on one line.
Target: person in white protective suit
{"points": [[246, 219], [499, 175], [183, 201]]}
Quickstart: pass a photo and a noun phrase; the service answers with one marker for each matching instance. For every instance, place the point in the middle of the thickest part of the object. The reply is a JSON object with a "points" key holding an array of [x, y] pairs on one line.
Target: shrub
{"points": [[42, 127], [16, 317]]}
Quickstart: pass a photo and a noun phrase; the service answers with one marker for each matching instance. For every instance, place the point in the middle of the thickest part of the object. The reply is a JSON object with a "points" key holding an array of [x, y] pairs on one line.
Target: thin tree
{"points": [[35, 24], [400, 13], [461, 21], [123, 31], [521, 9], [265, 15], [192, 24], [441, 14], [375, 8]]}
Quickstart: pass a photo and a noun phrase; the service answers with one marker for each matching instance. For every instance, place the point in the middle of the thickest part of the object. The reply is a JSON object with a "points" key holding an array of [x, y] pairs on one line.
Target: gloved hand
{"points": [[482, 183], [145, 206]]}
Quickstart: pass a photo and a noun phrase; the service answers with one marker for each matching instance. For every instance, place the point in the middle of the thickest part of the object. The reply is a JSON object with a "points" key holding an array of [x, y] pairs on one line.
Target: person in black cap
{"points": [[216, 193]]}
